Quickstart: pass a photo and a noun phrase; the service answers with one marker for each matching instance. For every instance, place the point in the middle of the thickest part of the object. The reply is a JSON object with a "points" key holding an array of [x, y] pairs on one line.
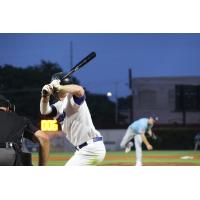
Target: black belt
{"points": [[6, 145], [96, 139]]}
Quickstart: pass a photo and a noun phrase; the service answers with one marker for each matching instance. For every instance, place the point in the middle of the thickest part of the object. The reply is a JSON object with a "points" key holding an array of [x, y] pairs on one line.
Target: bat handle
{"points": [[45, 93]]}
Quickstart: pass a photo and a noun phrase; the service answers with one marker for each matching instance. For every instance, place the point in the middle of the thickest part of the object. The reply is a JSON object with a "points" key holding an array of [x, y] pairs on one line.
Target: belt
{"points": [[6, 145], [96, 139]]}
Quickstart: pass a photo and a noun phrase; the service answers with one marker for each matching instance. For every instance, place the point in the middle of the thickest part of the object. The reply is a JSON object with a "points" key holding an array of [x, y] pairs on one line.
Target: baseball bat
{"points": [[84, 61]]}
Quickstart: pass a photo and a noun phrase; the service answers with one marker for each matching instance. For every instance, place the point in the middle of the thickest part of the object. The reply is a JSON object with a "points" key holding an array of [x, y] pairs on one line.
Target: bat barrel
{"points": [[84, 61]]}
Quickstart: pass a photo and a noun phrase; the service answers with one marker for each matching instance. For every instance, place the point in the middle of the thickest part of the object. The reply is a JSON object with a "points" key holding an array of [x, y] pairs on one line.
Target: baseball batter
{"points": [[72, 112], [137, 132]]}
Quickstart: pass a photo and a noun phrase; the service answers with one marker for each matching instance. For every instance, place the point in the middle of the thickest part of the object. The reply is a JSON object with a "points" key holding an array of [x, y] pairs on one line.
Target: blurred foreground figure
{"points": [[13, 129]]}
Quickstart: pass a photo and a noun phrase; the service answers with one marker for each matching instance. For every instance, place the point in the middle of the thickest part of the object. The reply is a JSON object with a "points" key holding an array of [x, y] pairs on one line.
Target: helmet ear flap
{"points": [[59, 76], [66, 81]]}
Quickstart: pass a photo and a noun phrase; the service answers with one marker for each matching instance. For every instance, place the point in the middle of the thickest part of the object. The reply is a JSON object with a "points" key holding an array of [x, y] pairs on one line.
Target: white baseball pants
{"points": [[92, 154]]}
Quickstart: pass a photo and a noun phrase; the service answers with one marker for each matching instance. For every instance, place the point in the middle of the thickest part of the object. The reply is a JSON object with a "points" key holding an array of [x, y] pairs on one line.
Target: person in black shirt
{"points": [[13, 128]]}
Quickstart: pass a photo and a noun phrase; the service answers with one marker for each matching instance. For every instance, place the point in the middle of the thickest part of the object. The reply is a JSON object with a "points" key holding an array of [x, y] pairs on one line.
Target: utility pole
{"points": [[131, 94], [183, 102]]}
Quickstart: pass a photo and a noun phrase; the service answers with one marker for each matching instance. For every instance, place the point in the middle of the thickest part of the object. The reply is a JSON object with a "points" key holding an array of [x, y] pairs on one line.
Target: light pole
{"points": [[116, 103], [131, 94], [109, 94]]}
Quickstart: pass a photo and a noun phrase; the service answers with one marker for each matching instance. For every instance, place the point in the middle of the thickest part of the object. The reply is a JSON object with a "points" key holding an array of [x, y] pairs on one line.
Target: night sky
{"points": [[148, 55]]}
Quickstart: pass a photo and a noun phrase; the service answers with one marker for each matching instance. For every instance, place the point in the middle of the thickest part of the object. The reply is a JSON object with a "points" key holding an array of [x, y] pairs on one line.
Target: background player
{"points": [[137, 132], [196, 141], [73, 114]]}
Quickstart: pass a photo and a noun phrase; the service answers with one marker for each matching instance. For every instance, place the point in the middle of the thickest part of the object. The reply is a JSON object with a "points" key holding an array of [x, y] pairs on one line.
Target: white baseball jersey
{"points": [[74, 116]]}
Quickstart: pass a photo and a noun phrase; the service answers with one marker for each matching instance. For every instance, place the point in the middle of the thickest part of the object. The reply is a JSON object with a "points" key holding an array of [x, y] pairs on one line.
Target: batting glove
{"points": [[55, 84], [47, 90]]}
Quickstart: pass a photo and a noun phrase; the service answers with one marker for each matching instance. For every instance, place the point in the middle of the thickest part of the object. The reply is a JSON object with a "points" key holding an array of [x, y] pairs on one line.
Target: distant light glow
{"points": [[109, 94]]}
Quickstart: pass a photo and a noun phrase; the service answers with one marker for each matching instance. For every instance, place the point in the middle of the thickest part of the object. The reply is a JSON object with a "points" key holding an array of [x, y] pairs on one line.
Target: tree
{"points": [[102, 110], [23, 85]]}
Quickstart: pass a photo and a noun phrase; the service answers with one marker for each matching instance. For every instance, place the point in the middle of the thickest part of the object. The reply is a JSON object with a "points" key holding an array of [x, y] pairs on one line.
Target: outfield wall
{"points": [[112, 139], [171, 138]]}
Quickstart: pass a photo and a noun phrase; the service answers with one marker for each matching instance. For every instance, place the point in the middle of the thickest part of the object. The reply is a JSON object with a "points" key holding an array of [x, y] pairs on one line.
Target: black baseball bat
{"points": [[84, 61]]}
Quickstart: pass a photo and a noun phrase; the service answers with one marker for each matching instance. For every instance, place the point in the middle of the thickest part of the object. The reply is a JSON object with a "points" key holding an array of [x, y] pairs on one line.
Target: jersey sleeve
{"points": [[56, 109], [143, 127], [53, 113], [142, 130], [76, 102]]}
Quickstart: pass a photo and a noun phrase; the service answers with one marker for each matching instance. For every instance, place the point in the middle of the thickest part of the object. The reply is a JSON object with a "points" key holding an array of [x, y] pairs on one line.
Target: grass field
{"points": [[153, 158]]}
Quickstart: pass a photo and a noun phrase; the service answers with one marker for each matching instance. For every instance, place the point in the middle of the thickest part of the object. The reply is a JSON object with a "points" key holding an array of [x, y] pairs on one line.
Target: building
{"points": [[173, 99]]}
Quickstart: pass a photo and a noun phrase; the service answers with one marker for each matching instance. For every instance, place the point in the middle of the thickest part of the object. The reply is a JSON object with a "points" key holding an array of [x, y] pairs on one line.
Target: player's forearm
{"points": [[72, 89], [45, 108], [150, 132]]}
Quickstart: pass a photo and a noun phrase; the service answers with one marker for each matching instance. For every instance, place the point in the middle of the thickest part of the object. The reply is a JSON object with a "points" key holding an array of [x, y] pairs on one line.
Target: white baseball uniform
{"points": [[134, 131], [75, 119]]}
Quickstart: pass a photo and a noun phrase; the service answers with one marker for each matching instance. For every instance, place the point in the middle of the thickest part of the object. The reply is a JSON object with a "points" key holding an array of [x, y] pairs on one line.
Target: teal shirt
{"points": [[140, 126]]}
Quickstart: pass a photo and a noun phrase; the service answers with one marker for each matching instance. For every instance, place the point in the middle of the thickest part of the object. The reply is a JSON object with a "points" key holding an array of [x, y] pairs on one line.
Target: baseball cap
{"points": [[156, 118]]}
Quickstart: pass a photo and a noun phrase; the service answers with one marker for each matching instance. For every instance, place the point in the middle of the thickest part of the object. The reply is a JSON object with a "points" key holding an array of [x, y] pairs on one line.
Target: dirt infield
{"points": [[54, 158]]}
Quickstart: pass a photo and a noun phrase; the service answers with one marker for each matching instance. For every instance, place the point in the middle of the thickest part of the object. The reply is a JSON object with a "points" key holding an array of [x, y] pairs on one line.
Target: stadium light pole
{"points": [[116, 103], [109, 94]]}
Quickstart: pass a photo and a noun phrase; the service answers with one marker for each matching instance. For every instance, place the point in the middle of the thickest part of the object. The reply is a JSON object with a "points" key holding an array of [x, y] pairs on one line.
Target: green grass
{"points": [[120, 158]]}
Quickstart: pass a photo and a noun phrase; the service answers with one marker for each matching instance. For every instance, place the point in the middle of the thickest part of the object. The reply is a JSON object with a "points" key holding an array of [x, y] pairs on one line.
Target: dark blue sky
{"points": [[147, 54]]}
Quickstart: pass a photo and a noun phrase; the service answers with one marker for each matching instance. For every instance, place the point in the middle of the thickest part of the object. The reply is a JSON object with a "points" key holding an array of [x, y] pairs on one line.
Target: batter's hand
{"points": [[149, 147], [47, 90], [55, 84]]}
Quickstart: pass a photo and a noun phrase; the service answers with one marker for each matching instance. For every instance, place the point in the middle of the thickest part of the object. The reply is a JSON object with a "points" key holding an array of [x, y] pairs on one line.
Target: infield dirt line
{"points": [[119, 157], [153, 164]]}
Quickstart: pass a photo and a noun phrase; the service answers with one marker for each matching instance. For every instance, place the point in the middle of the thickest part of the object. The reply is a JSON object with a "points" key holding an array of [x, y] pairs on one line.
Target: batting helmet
{"points": [[59, 76]]}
